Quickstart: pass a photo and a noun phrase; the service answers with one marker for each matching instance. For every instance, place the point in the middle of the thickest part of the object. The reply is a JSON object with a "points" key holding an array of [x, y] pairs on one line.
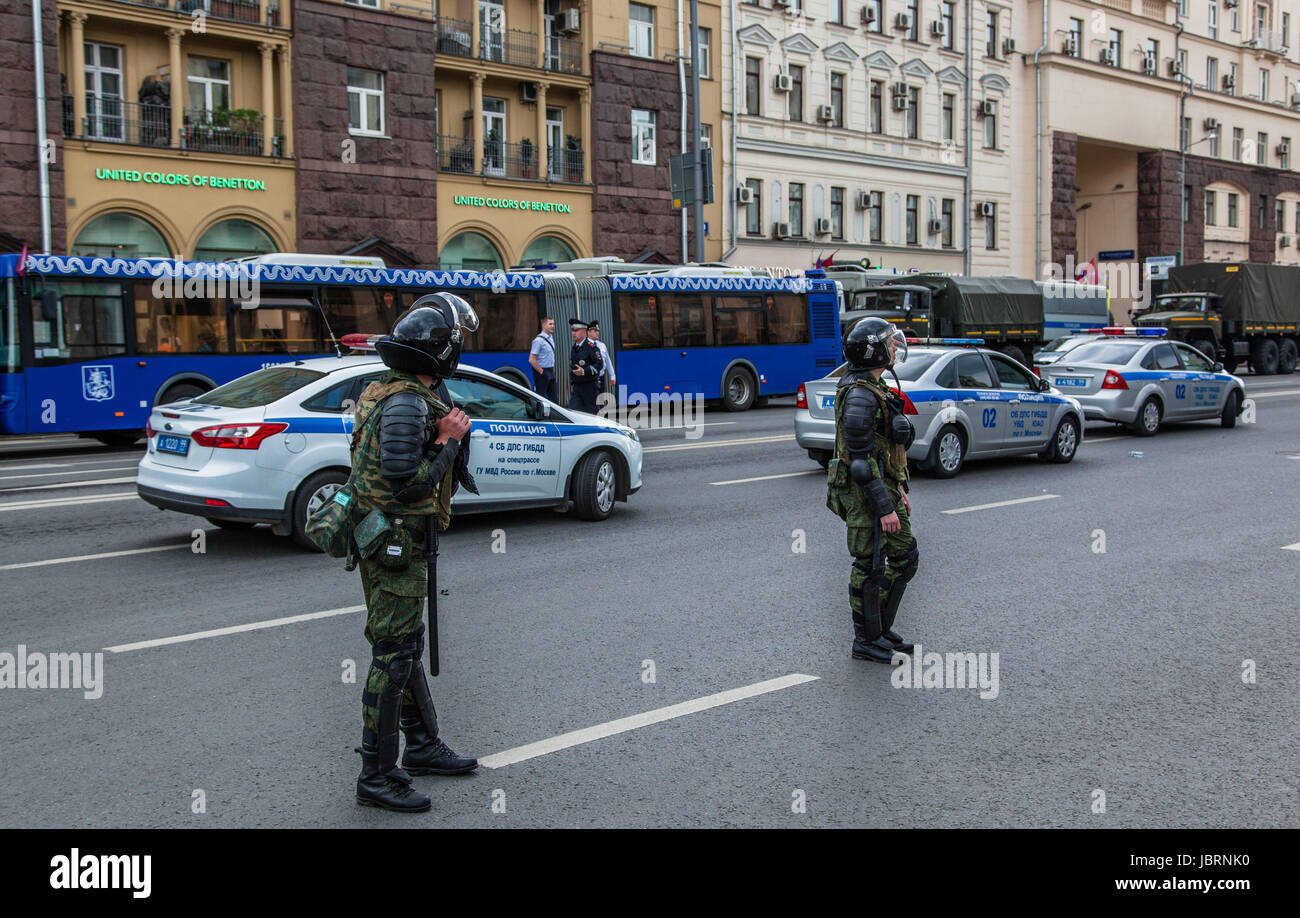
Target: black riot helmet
{"points": [[866, 346], [427, 338]]}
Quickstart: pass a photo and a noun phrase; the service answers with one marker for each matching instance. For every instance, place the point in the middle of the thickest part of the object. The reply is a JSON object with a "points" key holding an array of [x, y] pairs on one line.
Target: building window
{"points": [[1210, 198], [641, 29], [991, 228], [913, 114], [1297, 216], [837, 213], [1116, 48], [796, 209], [945, 222], [1238, 137], [990, 132], [878, 8], [754, 211], [706, 54], [209, 83], [1284, 157], [643, 137], [1213, 29], [1263, 210], [877, 105], [796, 92], [1261, 149], [1076, 37], [913, 205], [949, 108], [947, 16], [1261, 21], [1187, 203], [1185, 135], [1234, 21], [837, 12], [1214, 143], [1182, 60], [1232, 209], [991, 34], [1212, 74], [104, 94], [753, 85], [914, 13], [1286, 30], [1279, 216], [875, 215], [1263, 85], [365, 101], [1231, 88], [1152, 55], [837, 100]]}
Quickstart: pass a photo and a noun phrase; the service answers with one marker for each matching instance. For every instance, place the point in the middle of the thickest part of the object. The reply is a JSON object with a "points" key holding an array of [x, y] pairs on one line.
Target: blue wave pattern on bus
{"points": [[270, 273], [634, 282]]}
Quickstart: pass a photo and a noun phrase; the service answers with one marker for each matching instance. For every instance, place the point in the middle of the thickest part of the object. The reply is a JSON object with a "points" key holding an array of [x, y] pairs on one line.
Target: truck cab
{"points": [[907, 306], [1194, 317]]}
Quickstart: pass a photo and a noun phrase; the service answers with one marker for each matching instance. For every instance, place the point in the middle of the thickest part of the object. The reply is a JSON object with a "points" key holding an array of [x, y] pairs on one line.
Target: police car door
{"points": [[979, 400], [1171, 380], [513, 457], [1026, 408], [1206, 389]]}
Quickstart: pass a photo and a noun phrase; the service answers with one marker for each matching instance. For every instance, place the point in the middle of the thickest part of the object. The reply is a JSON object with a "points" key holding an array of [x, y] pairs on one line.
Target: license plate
{"points": [[1068, 381], [178, 445], [828, 401]]}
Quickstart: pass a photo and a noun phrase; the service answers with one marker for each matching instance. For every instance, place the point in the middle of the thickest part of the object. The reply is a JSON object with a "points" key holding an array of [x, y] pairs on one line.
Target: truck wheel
{"points": [[1286, 356], [1014, 353], [1263, 357], [1207, 347], [313, 493], [1148, 418], [594, 486], [1231, 408], [738, 390], [947, 453]]}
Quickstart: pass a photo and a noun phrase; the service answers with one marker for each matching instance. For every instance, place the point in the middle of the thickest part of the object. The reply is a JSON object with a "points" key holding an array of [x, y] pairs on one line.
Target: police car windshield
{"points": [[1112, 350], [1064, 343], [914, 366], [260, 388]]}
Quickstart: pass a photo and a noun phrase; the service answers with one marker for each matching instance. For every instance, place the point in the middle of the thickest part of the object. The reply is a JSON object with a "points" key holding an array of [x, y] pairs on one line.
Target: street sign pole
{"points": [[695, 131]]}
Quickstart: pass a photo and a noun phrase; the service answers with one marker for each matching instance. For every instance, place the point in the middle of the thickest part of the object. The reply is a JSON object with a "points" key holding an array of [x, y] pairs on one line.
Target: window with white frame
{"points": [[837, 11], [1076, 37], [754, 211], [948, 18], [1238, 140], [706, 60], [877, 8], [991, 227], [209, 84], [1263, 85], [1261, 149], [991, 131], [1212, 73], [1284, 158], [643, 137], [795, 195], [1213, 23], [1231, 88], [365, 101], [641, 29]]}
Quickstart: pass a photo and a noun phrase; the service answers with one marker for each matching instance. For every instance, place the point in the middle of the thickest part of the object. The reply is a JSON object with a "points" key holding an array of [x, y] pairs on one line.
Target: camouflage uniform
{"points": [[888, 567], [395, 599]]}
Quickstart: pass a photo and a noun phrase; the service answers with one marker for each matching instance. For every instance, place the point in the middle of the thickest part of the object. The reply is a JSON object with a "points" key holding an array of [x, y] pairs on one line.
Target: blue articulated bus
{"points": [[90, 344]]}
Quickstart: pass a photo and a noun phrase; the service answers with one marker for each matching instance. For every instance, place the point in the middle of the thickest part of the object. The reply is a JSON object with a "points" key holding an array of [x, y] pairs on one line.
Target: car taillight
{"points": [[908, 407], [1113, 381], [801, 398], [148, 430], [236, 436]]}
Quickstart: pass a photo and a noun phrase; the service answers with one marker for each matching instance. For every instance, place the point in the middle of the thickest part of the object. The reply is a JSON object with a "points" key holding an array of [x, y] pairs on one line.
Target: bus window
{"points": [[506, 321], [9, 328], [685, 320], [638, 320], [738, 320], [277, 326], [77, 319], [171, 325], [364, 310], [787, 319]]}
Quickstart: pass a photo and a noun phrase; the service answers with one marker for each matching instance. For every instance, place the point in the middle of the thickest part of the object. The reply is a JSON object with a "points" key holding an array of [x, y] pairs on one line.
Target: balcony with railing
{"points": [[110, 119], [563, 55], [454, 37], [507, 46], [509, 160], [1271, 40], [236, 131], [247, 11]]}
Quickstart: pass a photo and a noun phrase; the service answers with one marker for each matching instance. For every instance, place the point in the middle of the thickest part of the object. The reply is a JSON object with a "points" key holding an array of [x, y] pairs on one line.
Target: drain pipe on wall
{"points": [[970, 101], [681, 84], [38, 47], [1038, 151], [735, 181]]}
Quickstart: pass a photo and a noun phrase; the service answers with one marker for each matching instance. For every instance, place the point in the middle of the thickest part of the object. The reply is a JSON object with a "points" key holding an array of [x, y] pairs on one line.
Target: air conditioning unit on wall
{"points": [[867, 15], [571, 21], [744, 195], [781, 230], [782, 82], [822, 227], [988, 209], [862, 200], [825, 113]]}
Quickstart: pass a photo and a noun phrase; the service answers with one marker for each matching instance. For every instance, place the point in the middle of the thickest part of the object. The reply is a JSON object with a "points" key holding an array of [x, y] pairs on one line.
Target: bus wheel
{"points": [[738, 390], [119, 439], [181, 391], [1287, 355]]}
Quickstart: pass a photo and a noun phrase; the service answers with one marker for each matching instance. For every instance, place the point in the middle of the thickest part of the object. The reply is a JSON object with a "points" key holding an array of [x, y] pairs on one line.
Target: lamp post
{"points": [[1182, 185]]}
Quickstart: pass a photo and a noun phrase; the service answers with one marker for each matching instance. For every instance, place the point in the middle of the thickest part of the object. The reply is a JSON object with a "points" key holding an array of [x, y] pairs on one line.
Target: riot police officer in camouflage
{"points": [[867, 487], [407, 466]]}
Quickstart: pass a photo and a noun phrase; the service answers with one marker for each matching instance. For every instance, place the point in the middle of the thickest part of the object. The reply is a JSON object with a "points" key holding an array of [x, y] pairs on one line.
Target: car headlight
{"points": [[631, 435]]}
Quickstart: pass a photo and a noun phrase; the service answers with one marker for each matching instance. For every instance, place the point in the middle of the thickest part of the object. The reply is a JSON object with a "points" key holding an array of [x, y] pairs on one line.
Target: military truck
{"points": [[1007, 312], [1233, 312], [884, 294]]}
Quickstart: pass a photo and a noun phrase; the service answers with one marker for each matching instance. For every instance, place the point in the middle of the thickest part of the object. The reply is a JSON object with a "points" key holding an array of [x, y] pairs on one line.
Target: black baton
{"points": [[431, 559]]}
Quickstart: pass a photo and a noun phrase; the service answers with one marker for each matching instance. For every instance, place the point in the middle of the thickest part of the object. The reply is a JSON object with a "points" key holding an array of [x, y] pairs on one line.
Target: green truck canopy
{"points": [[975, 303], [1250, 292]]}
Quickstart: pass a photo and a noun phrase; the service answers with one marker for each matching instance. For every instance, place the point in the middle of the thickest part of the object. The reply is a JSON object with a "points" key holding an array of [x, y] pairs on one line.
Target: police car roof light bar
{"points": [[953, 341], [1128, 331], [359, 341]]}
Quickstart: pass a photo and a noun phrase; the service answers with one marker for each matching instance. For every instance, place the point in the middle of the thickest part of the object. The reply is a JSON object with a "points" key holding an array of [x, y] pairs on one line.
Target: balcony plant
{"points": [[526, 156]]}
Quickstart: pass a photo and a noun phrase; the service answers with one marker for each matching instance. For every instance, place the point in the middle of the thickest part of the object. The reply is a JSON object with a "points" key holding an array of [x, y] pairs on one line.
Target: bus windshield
{"points": [[259, 388]]}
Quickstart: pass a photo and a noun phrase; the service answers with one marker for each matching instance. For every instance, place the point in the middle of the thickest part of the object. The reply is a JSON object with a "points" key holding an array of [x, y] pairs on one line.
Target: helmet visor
{"points": [[466, 317], [897, 345]]}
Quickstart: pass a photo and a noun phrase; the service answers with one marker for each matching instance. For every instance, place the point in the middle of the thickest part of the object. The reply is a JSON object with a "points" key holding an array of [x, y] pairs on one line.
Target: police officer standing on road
{"points": [[608, 380], [542, 359], [408, 465], [585, 369], [867, 487]]}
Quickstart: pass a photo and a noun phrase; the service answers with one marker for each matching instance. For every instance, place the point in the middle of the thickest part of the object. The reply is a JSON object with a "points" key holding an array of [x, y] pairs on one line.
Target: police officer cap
{"points": [[595, 323], [577, 323]]}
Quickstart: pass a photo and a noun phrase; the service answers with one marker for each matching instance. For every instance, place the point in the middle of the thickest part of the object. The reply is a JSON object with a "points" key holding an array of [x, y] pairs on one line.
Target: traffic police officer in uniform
{"points": [[585, 369], [867, 487], [407, 462]]}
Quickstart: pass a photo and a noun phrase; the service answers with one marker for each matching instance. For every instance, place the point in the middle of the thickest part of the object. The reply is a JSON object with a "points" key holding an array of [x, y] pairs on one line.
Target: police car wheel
{"points": [[1231, 408], [1065, 442], [594, 486], [947, 453], [1148, 418], [738, 390], [313, 493]]}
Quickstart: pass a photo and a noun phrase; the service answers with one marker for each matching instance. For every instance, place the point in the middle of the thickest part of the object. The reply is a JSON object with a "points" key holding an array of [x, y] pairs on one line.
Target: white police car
{"points": [[272, 446]]}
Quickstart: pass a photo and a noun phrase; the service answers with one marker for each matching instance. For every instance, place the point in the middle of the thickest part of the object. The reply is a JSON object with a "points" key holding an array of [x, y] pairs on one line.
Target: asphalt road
{"points": [[1119, 672]]}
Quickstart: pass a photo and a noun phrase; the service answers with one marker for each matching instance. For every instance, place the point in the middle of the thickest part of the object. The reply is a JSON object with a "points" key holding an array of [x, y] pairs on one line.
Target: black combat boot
{"points": [[384, 785], [864, 648], [900, 645], [426, 753]]}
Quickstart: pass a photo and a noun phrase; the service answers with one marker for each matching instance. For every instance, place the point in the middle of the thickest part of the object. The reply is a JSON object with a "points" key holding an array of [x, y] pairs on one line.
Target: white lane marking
{"points": [[770, 477], [233, 629], [683, 426], [636, 721], [120, 468], [66, 501], [42, 465], [1002, 503], [1102, 439], [1273, 394], [1296, 546], [742, 442], [107, 554], [68, 484]]}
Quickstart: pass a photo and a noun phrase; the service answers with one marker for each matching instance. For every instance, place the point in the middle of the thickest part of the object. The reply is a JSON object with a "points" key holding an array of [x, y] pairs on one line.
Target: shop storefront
{"points": [[489, 226]]}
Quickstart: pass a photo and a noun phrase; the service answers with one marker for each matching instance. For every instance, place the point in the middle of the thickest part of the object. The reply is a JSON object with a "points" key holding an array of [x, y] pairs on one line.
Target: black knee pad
{"points": [[909, 562]]}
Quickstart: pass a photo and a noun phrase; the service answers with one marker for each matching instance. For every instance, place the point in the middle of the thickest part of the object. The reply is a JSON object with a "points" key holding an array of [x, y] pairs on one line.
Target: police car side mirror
{"points": [[1044, 385], [1216, 367]]}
